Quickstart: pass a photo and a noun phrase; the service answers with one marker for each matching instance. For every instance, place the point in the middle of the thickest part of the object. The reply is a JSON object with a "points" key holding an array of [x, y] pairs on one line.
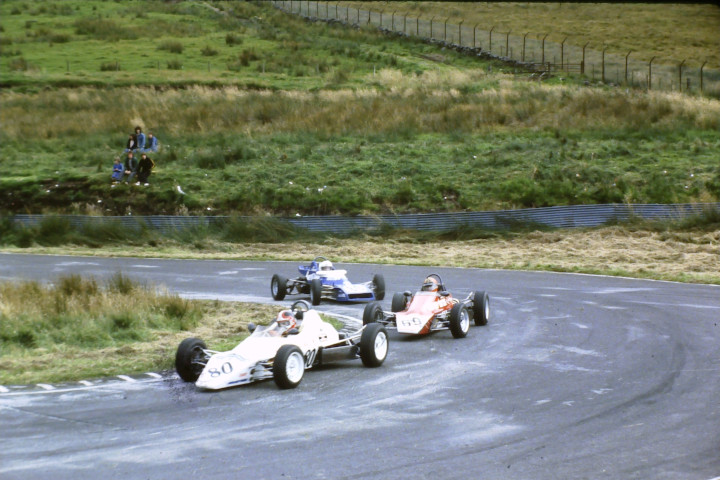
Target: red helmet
{"points": [[286, 320]]}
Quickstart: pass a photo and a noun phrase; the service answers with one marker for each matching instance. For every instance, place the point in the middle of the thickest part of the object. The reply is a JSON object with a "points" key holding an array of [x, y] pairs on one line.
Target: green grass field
{"points": [[270, 114]]}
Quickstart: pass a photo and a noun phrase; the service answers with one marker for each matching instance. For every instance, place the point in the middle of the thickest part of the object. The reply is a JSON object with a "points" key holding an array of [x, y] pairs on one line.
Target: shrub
{"points": [[19, 65], [172, 46], [110, 67], [208, 51], [174, 65], [232, 39]]}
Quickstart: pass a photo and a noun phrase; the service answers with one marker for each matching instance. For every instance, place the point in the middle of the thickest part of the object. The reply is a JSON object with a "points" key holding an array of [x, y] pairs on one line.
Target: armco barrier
{"points": [[558, 217]]}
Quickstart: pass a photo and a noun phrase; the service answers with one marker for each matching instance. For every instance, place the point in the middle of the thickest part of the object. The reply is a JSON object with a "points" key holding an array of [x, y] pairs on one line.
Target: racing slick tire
{"points": [[379, 284], [315, 291], [278, 287], [481, 308], [459, 320], [288, 367], [399, 302], [188, 353], [374, 345], [372, 313]]}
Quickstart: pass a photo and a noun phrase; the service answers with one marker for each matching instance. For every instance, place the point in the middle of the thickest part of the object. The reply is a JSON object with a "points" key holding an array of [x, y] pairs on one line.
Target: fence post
{"points": [[490, 46], [523, 50], [626, 64], [393, 21], [445, 34], [507, 43], [381, 12], [431, 27], [474, 28], [562, 54], [680, 75], [336, 12], [543, 48], [603, 64], [327, 6], [650, 73], [417, 26], [358, 17], [405, 24], [701, 76], [582, 64], [460, 32]]}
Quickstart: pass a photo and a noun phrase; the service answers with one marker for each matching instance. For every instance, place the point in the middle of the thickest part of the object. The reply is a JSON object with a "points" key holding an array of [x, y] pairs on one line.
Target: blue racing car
{"points": [[322, 281]]}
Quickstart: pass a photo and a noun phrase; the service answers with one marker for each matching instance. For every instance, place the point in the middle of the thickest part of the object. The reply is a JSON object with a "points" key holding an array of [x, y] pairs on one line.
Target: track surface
{"points": [[574, 377]]}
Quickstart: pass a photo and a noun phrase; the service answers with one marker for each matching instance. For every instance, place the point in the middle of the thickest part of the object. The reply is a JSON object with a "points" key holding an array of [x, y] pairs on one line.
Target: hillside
{"points": [[261, 112]]}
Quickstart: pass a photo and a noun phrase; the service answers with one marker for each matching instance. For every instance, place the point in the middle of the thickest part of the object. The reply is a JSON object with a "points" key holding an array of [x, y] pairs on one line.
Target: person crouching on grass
{"points": [[118, 170], [145, 167]]}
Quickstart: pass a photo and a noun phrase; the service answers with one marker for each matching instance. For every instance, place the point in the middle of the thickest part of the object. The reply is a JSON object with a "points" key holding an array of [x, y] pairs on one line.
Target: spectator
{"points": [[144, 170], [118, 170], [151, 143], [131, 166], [131, 143], [139, 139]]}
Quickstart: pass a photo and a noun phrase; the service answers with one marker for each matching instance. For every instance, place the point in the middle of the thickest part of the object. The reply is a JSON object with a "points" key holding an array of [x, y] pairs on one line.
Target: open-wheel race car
{"points": [[296, 340], [321, 280], [431, 309]]}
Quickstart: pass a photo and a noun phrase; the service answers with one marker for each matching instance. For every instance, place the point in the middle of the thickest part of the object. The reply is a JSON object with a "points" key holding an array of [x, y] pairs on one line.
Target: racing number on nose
{"points": [[226, 368], [408, 323]]}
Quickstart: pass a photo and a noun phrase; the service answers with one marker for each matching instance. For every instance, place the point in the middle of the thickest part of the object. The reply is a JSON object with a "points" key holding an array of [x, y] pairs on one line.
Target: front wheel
{"points": [[315, 291], [372, 313], [379, 286], [374, 345], [459, 320], [190, 359], [278, 287], [399, 302], [481, 308], [288, 367]]}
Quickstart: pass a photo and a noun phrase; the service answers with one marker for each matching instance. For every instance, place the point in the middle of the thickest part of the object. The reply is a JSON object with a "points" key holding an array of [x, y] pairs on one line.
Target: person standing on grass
{"points": [[131, 167], [145, 167], [152, 143], [118, 170], [139, 139]]}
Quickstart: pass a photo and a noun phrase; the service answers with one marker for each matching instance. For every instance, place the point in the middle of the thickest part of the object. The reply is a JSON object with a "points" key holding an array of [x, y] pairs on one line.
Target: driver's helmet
{"points": [[286, 320], [326, 265], [430, 285]]}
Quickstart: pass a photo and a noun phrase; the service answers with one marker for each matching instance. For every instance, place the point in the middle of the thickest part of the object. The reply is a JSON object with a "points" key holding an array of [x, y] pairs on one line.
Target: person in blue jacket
{"points": [[118, 170], [151, 143], [140, 139]]}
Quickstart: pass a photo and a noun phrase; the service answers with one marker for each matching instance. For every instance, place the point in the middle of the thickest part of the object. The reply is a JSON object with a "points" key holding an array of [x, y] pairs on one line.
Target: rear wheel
{"points": [[399, 302], [288, 367], [459, 320], [190, 359], [379, 286], [373, 313], [315, 291], [374, 345], [481, 308], [278, 287]]}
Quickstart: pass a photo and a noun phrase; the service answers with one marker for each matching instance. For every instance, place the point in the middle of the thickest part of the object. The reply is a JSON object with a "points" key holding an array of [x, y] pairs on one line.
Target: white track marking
{"points": [[45, 386], [126, 378]]}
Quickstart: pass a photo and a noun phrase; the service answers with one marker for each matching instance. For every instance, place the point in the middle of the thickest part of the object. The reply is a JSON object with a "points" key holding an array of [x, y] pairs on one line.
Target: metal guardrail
{"points": [[572, 216]]}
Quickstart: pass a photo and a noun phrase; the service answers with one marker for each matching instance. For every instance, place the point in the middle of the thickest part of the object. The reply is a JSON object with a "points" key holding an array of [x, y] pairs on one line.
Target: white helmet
{"points": [[326, 265]]}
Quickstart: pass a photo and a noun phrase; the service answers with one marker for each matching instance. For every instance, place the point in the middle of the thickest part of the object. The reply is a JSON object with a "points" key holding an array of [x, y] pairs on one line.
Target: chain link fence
{"points": [[528, 51]]}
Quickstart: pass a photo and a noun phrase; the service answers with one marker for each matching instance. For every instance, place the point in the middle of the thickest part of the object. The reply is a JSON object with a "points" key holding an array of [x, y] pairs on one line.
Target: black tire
{"points": [[315, 291], [459, 320], [399, 302], [374, 344], [481, 308], [379, 283], [288, 367], [278, 287], [373, 313], [189, 359]]}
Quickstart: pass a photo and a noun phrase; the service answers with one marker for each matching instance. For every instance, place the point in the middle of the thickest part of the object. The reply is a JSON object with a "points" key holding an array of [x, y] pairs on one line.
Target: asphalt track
{"points": [[575, 376]]}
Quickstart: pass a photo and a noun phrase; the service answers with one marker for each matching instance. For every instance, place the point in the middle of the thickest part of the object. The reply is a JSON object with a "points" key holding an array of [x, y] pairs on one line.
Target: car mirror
{"points": [[444, 293], [293, 331], [407, 293], [251, 327]]}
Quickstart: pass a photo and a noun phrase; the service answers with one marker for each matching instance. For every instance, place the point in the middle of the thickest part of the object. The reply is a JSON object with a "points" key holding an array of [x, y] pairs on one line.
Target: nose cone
{"points": [[223, 371]]}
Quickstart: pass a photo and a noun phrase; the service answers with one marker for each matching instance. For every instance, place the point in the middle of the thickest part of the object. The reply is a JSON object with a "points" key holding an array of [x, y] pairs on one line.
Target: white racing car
{"points": [[296, 340]]}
